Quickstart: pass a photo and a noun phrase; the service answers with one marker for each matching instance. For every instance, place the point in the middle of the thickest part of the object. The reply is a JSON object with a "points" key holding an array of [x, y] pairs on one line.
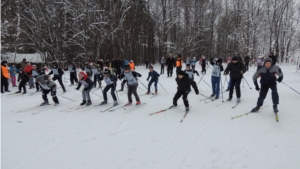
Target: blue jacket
{"points": [[154, 75], [13, 70]]}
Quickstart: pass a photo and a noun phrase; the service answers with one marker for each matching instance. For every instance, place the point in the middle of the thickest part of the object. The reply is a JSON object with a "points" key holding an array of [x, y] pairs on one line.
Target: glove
{"points": [[197, 92], [279, 79], [139, 75], [18, 80], [257, 88], [147, 79]]}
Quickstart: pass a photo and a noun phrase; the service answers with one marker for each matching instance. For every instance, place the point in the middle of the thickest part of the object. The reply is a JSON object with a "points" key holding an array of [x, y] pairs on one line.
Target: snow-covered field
{"points": [[49, 138]]}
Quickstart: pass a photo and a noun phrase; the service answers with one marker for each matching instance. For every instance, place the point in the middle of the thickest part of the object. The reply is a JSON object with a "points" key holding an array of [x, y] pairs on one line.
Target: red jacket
{"points": [[28, 70]]}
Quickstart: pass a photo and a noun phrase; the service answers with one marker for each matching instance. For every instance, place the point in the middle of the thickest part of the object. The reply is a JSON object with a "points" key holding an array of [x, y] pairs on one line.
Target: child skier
{"points": [[154, 78], [24, 78], [58, 73], [88, 69], [97, 75], [13, 71], [132, 83], [111, 83], [268, 79], [184, 87], [190, 72], [216, 77], [48, 86], [35, 73], [72, 69], [88, 85], [236, 69]]}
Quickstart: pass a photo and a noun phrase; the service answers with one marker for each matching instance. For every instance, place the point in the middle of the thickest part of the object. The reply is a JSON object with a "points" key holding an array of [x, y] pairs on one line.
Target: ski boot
{"points": [[56, 104], [83, 103], [128, 104], [88, 103], [138, 103], [104, 102], [187, 109], [148, 92], [212, 95], [255, 109], [217, 97], [17, 92], [275, 108], [238, 100], [115, 103], [229, 99], [45, 103]]}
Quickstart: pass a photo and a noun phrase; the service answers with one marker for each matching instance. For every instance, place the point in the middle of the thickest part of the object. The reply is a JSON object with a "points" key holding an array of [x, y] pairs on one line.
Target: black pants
{"points": [[60, 81], [264, 91], [53, 94], [73, 77], [4, 84], [146, 65], [37, 86], [247, 66], [177, 70], [203, 69], [170, 71], [118, 72], [22, 84], [97, 79], [123, 84], [184, 95], [162, 68], [193, 67], [235, 83], [132, 90], [112, 91]]}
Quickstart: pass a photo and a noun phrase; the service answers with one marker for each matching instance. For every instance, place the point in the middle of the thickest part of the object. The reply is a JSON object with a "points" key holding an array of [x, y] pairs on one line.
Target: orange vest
{"points": [[131, 64], [5, 72], [178, 62]]}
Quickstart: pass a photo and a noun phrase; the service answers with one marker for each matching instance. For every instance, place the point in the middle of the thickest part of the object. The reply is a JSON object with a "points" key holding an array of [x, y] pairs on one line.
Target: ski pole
{"points": [[247, 83], [207, 83], [142, 83], [224, 82], [96, 94], [290, 87], [243, 82], [116, 91], [66, 97], [200, 80], [221, 87], [162, 87]]}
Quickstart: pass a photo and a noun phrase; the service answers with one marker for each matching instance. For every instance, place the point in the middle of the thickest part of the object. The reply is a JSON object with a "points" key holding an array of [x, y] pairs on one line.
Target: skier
{"points": [[24, 78], [4, 77], [203, 64], [88, 85], [58, 73], [123, 82], [236, 70], [184, 87], [216, 77], [13, 71], [259, 62], [162, 65], [35, 73], [190, 72], [132, 83], [170, 64], [274, 59], [28, 71], [88, 69], [47, 86], [111, 83], [154, 79], [72, 69], [146, 63], [268, 79], [193, 63], [132, 66], [97, 75], [188, 62], [247, 60], [178, 63]]}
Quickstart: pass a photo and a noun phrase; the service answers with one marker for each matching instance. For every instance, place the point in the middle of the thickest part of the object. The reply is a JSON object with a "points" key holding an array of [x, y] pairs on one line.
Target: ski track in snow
{"points": [[207, 138]]}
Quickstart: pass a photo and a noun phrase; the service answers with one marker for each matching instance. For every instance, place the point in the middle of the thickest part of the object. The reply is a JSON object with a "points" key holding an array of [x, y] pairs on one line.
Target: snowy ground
{"points": [[208, 138]]}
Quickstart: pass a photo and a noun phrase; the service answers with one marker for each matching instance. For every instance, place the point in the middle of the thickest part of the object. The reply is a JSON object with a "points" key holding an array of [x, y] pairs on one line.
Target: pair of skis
{"points": [[244, 114], [163, 110], [110, 109]]}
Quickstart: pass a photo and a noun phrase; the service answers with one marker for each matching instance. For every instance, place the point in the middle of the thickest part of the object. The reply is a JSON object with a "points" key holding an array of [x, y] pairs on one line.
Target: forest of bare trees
{"points": [[85, 30]]}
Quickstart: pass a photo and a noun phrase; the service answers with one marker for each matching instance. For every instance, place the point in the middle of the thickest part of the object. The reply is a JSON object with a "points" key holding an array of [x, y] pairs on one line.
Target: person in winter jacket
{"points": [[28, 71], [147, 63], [268, 80], [100, 63], [247, 60], [118, 67], [259, 62], [47, 86], [58, 73], [236, 70], [193, 63], [178, 63], [190, 72], [111, 83], [170, 65], [4, 77], [131, 64], [154, 79], [73, 75], [274, 59], [87, 83], [216, 77], [23, 78], [203, 64], [132, 83], [23, 64], [188, 61], [35, 72], [13, 70], [88, 69], [184, 84], [98, 77], [123, 82], [162, 65]]}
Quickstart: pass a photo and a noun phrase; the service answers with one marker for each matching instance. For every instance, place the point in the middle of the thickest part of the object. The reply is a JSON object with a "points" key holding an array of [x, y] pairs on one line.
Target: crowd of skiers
{"points": [[123, 69]]}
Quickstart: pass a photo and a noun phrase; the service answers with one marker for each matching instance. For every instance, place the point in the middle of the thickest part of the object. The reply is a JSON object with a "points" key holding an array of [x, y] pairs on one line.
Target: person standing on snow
{"points": [[13, 71], [88, 85], [268, 80], [170, 65], [216, 77], [48, 86], [58, 73], [236, 70], [162, 65], [111, 83], [72, 69], [190, 72], [24, 78], [4, 77], [154, 79], [203, 64], [193, 63]]}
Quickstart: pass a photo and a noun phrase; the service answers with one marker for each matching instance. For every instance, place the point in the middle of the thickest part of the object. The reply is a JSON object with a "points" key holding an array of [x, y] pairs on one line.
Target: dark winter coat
{"points": [[274, 59], [154, 75], [267, 76], [235, 70], [247, 59], [170, 62], [60, 72], [185, 83], [23, 76]]}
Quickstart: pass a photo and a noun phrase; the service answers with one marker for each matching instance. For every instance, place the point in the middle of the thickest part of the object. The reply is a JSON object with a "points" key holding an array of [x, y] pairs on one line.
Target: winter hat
{"points": [[131, 60], [179, 55], [126, 68], [181, 73], [3, 62], [46, 77], [150, 67], [234, 58], [219, 61], [81, 73], [267, 60], [106, 73]]}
